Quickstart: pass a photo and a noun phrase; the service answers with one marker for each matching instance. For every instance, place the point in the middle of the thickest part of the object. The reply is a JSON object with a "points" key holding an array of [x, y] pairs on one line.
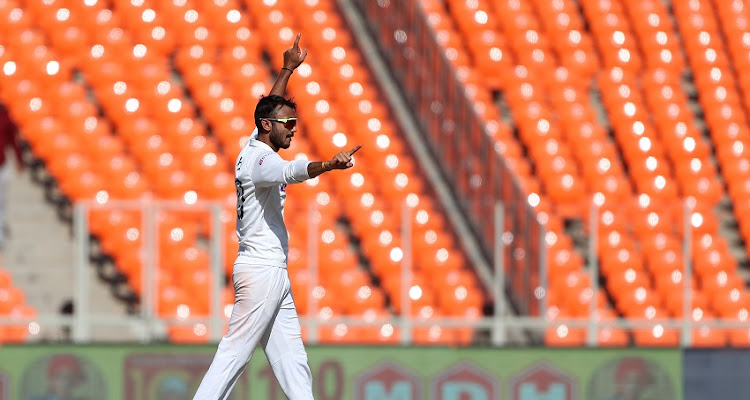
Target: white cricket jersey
{"points": [[261, 176]]}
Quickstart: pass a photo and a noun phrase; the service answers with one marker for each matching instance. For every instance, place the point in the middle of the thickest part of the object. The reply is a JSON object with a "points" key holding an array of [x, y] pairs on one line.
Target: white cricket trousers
{"points": [[264, 313]]}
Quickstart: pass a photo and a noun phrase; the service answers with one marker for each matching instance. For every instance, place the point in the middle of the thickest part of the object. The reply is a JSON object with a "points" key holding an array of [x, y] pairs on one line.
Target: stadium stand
{"points": [[130, 99], [546, 58], [150, 99]]}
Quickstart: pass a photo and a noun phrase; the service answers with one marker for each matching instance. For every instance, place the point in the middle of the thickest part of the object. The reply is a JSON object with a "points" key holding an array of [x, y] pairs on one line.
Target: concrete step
{"points": [[39, 255]]}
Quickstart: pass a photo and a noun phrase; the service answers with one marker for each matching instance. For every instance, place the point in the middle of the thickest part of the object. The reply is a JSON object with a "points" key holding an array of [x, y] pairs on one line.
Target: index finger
{"points": [[354, 150], [296, 41]]}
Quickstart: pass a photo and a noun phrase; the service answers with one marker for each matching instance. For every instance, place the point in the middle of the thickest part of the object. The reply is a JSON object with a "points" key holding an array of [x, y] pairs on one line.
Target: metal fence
{"points": [[499, 329]]}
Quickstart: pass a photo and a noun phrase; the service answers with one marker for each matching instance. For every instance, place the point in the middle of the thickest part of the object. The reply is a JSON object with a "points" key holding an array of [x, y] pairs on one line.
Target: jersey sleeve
{"points": [[271, 169]]}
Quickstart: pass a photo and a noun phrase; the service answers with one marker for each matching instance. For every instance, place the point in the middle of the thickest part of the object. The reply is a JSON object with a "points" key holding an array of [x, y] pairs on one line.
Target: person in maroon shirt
{"points": [[8, 138]]}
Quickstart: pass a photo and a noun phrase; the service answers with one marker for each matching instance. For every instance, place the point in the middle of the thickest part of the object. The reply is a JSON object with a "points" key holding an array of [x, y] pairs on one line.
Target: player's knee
{"points": [[305, 367], [301, 395], [302, 389], [228, 346]]}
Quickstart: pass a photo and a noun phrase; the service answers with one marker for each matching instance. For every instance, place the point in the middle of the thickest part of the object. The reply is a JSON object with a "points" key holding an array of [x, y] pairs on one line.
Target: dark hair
{"points": [[267, 107]]}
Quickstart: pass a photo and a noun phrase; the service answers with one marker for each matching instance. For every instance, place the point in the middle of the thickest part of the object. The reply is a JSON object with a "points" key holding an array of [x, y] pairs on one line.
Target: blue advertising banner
{"points": [[716, 374]]}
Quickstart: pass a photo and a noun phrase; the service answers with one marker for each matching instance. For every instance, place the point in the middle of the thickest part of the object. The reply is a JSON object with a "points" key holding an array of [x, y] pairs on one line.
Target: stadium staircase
{"points": [[38, 260]]}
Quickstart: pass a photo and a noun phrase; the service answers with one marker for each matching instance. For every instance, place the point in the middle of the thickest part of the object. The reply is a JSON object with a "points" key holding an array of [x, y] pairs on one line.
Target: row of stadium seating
{"points": [[540, 55], [152, 99]]}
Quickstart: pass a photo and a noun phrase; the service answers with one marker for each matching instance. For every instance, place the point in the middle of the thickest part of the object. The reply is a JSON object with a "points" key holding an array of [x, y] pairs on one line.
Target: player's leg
{"points": [[258, 295], [286, 353]]}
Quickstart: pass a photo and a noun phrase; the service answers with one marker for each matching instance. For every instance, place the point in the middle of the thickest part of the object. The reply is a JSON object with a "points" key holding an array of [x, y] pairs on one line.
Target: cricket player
{"points": [[264, 310]]}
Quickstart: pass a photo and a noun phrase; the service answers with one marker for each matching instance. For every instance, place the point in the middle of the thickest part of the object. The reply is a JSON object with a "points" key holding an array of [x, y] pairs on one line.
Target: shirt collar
{"points": [[258, 143]]}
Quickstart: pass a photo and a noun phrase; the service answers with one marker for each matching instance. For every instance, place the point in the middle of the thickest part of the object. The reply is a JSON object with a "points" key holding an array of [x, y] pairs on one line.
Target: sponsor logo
{"points": [[543, 382], [388, 381], [465, 381]]}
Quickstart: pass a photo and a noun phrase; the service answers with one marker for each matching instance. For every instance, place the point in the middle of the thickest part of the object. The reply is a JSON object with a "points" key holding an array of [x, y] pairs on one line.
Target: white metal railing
{"points": [[499, 326], [83, 320]]}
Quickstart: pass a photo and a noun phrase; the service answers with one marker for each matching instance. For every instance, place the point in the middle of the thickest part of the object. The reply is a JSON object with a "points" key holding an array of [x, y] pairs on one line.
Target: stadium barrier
{"points": [[500, 329], [358, 373]]}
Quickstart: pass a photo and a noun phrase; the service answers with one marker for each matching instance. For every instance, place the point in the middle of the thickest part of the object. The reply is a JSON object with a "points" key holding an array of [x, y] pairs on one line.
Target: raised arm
{"points": [[293, 58]]}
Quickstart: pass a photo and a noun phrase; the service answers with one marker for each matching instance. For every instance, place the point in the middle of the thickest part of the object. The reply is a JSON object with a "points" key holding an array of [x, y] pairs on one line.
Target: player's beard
{"points": [[278, 137]]}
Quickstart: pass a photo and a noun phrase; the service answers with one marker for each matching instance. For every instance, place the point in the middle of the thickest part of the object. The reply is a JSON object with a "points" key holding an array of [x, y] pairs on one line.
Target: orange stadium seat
{"points": [[13, 305]]}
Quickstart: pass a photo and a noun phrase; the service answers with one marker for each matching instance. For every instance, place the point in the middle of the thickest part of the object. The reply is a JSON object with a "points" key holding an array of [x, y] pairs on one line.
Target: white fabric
{"points": [[264, 310], [261, 176], [264, 313]]}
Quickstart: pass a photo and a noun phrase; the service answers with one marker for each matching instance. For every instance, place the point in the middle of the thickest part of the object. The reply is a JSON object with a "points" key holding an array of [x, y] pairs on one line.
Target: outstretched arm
{"points": [[271, 169], [341, 160], [293, 58]]}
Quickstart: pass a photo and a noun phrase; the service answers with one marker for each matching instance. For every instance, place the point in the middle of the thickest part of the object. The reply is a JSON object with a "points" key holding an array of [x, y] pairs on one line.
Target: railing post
{"points": [[543, 270], [312, 272], [81, 330], [406, 265], [148, 271], [686, 337], [217, 272], [499, 329], [591, 336]]}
